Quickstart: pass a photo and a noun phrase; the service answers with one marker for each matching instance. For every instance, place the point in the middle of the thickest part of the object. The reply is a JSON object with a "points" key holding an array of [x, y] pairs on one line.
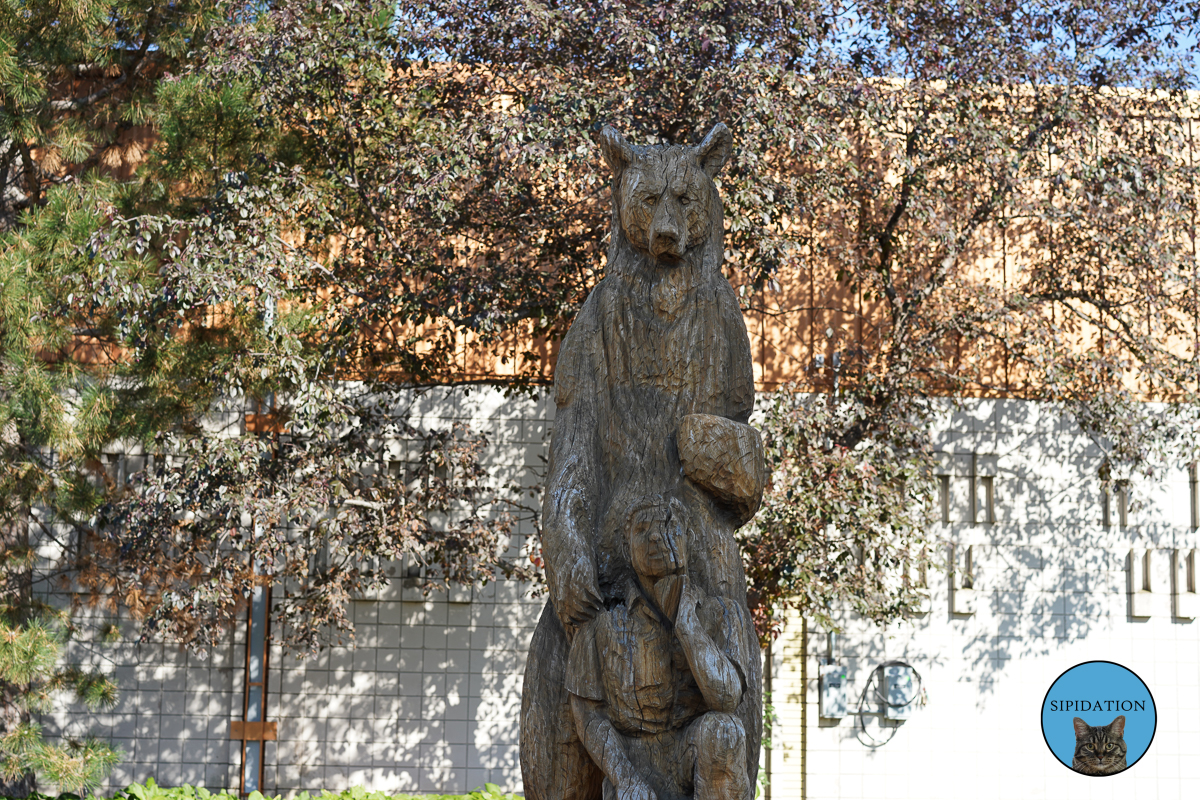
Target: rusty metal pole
{"points": [[254, 731]]}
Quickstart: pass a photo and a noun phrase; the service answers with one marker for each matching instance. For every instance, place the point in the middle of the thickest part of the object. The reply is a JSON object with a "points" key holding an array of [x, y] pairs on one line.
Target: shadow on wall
{"points": [[1035, 563]]}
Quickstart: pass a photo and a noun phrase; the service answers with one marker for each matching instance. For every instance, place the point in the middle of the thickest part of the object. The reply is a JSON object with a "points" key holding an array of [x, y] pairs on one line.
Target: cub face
{"points": [[658, 537], [664, 195]]}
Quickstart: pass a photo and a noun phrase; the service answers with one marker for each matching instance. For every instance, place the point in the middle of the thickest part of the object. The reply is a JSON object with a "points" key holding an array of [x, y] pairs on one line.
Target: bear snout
{"points": [[668, 237]]}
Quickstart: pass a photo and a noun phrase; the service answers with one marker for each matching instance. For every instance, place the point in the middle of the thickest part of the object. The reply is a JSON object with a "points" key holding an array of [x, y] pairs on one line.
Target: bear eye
{"points": [[684, 200]]}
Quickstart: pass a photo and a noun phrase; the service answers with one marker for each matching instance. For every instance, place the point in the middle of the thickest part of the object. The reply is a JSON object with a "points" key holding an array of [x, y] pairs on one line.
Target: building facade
{"points": [[1039, 576]]}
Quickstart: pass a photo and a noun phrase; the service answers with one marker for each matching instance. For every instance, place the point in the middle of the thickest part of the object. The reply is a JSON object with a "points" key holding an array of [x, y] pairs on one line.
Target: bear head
{"points": [[664, 196]]}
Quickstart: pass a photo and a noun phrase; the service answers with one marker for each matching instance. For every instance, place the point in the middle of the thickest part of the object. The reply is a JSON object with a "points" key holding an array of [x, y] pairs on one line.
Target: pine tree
{"points": [[155, 287], [76, 80], [30, 646]]}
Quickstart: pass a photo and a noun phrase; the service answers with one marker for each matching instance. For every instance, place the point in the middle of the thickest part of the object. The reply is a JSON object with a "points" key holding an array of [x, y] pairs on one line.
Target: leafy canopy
{"points": [[339, 200]]}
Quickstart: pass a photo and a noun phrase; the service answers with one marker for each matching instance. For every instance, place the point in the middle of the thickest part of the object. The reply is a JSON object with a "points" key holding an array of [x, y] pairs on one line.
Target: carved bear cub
{"points": [[654, 386]]}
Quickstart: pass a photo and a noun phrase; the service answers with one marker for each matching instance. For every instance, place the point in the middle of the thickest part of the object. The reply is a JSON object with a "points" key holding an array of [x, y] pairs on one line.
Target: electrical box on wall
{"points": [[833, 691], [901, 692]]}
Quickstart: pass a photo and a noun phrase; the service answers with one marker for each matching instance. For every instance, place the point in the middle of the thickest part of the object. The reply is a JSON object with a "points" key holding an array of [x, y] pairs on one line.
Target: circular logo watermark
{"points": [[1098, 718]]}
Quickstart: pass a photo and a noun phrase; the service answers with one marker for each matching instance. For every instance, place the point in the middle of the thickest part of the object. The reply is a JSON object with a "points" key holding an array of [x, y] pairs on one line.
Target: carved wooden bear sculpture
{"points": [[654, 386]]}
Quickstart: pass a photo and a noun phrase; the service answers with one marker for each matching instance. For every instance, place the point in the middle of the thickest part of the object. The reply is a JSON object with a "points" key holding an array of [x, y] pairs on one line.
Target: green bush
{"points": [[150, 790]]}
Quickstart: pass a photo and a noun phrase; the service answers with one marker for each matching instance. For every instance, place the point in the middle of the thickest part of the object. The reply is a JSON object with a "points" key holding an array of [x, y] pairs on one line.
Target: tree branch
{"points": [[981, 214], [78, 103]]}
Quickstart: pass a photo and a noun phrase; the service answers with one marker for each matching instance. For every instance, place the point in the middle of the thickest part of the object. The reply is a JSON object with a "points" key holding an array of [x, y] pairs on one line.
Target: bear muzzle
{"points": [[667, 239]]}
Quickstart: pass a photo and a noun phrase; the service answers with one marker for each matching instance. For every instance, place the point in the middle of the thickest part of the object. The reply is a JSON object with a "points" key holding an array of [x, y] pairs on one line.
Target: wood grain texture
{"points": [[725, 458], [644, 675]]}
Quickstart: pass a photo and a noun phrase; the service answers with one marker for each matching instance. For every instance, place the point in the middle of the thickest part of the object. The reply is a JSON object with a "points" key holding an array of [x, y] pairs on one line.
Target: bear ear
{"points": [[1082, 729], [617, 152], [715, 150]]}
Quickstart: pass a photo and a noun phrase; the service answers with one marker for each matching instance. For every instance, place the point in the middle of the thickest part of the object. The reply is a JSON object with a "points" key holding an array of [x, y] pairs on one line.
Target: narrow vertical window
{"points": [[944, 497], [1194, 493], [1106, 507], [114, 465], [973, 491], [988, 498], [1123, 503]]}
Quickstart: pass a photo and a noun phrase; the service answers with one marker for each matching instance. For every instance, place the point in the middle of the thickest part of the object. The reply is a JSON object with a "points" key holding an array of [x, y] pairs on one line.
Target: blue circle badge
{"points": [[1098, 718]]}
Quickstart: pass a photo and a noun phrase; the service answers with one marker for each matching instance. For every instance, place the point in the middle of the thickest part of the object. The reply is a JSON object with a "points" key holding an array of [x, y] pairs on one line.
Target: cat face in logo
{"points": [[1099, 749]]}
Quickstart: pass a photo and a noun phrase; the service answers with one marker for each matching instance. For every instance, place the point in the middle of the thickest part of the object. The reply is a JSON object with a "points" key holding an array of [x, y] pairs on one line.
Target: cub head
{"points": [[663, 196], [658, 537]]}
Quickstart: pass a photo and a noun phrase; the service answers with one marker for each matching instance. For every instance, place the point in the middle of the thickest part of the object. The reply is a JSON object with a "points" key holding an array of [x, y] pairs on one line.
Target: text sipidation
{"points": [[1097, 705]]}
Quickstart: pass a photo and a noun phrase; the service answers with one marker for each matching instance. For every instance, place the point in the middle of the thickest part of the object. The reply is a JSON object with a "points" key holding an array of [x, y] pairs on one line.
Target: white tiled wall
{"points": [[1051, 593], [172, 721], [428, 699]]}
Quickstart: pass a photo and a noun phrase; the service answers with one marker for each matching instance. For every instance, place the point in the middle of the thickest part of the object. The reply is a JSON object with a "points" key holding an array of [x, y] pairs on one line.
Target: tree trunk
{"points": [[12, 177]]}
